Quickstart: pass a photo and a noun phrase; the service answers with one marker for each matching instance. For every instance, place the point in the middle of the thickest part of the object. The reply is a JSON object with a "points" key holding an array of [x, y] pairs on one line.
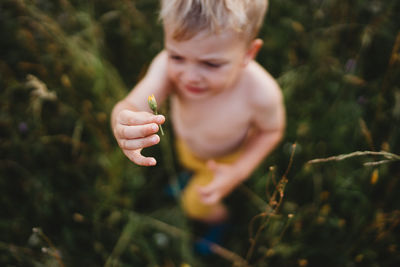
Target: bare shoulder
{"points": [[158, 64], [154, 82], [263, 90], [265, 98]]}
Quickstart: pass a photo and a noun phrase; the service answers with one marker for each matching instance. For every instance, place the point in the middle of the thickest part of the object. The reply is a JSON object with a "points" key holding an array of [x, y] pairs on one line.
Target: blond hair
{"points": [[189, 17]]}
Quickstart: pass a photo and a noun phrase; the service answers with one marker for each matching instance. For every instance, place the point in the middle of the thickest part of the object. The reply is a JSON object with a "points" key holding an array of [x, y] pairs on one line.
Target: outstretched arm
{"points": [[134, 126]]}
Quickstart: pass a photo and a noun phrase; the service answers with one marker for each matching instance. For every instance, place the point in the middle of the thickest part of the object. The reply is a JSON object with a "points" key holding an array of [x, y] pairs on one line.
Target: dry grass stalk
{"points": [[389, 157], [272, 208], [54, 252]]}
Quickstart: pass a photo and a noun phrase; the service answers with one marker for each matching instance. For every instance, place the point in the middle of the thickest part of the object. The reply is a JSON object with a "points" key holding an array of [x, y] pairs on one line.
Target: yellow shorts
{"points": [[190, 198]]}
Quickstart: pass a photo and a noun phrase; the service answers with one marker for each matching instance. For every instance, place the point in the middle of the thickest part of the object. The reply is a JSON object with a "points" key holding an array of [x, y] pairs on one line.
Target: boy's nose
{"points": [[191, 75]]}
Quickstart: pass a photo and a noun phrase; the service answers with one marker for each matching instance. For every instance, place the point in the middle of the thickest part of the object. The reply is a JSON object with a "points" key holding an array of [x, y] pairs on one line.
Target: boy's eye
{"points": [[212, 65], [177, 58]]}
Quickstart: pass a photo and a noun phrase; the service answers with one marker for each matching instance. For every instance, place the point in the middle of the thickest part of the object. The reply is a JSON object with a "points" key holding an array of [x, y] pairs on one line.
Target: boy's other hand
{"points": [[135, 131], [225, 181]]}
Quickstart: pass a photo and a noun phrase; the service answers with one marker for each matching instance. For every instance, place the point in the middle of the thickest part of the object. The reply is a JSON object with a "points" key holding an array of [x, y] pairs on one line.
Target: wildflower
{"points": [[153, 103], [351, 65], [374, 176], [303, 262], [23, 127], [153, 106]]}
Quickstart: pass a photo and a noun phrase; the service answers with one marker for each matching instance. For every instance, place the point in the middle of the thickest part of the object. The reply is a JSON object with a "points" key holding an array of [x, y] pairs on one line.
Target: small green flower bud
{"points": [[153, 103], [153, 106]]}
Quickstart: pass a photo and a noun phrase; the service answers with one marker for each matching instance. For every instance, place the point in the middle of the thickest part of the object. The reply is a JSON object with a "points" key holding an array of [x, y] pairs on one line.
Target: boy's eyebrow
{"points": [[170, 50], [211, 58]]}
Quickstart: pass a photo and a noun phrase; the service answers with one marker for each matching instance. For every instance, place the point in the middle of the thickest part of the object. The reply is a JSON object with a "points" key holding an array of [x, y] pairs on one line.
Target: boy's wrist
{"points": [[241, 173]]}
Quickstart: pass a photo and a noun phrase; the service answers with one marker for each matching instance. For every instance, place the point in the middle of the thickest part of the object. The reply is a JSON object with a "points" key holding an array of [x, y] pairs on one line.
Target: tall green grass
{"points": [[68, 196]]}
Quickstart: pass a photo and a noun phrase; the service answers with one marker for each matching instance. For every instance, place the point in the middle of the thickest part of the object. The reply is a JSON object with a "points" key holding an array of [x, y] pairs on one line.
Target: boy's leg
{"points": [[213, 216], [195, 208], [191, 202], [218, 215]]}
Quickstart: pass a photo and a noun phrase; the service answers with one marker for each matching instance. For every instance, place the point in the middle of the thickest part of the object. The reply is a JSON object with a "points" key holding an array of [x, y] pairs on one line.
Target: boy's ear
{"points": [[252, 51]]}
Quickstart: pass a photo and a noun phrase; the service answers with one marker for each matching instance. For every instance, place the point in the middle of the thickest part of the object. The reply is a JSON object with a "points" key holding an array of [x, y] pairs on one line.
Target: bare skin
{"points": [[221, 99]]}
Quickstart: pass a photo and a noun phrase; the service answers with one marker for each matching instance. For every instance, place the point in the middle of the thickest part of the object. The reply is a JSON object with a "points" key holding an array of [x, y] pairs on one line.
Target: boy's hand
{"points": [[135, 131], [225, 180]]}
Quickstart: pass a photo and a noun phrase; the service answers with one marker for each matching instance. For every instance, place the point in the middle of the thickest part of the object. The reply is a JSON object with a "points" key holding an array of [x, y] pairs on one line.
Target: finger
{"points": [[136, 131], [133, 144], [136, 157], [212, 164], [205, 191], [210, 199], [128, 117]]}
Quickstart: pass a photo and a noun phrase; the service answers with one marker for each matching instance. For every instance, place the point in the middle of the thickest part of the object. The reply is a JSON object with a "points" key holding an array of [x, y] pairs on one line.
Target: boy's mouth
{"points": [[195, 89]]}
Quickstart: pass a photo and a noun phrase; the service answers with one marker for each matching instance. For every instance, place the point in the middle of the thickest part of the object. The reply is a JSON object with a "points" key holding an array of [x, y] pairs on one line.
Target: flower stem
{"points": [[161, 129]]}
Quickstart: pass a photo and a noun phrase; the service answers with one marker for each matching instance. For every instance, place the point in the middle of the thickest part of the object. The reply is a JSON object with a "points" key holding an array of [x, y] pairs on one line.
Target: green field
{"points": [[69, 197]]}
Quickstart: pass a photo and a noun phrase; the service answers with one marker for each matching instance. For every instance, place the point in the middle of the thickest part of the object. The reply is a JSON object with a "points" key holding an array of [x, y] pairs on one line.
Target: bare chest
{"points": [[211, 128]]}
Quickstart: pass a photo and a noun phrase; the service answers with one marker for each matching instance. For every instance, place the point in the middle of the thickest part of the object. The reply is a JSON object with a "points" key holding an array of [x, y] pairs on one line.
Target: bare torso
{"points": [[217, 125]]}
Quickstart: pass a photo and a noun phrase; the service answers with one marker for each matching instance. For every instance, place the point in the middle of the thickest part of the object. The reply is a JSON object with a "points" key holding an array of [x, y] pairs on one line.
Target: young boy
{"points": [[227, 112]]}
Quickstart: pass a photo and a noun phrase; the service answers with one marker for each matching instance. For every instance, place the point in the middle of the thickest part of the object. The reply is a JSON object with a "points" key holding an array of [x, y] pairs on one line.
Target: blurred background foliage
{"points": [[68, 196]]}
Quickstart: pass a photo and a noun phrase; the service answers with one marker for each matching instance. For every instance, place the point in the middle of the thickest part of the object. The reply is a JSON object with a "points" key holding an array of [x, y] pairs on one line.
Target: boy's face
{"points": [[206, 64]]}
